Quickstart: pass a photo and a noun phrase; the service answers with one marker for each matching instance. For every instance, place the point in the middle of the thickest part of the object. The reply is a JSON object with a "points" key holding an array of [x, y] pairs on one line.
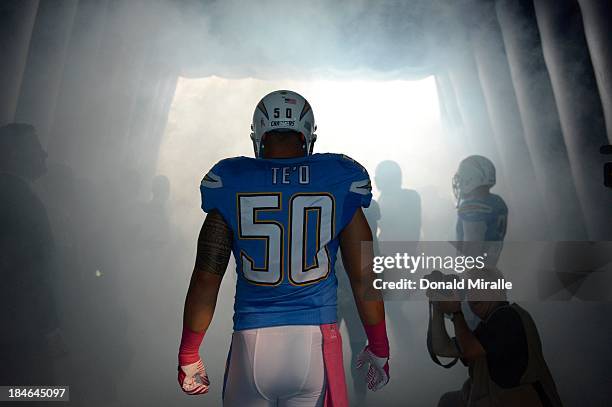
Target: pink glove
{"points": [[376, 355], [192, 375]]}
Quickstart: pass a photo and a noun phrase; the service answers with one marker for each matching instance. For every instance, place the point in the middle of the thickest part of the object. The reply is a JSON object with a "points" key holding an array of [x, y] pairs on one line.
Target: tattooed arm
{"points": [[214, 248]]}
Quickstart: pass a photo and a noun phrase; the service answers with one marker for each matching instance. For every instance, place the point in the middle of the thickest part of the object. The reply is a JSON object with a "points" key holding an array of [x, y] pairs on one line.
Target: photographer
{"points": [[503, 354]]}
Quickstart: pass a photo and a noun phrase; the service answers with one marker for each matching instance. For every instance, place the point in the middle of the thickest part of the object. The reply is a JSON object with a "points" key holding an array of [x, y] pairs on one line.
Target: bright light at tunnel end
{"points": [[370, 121]]}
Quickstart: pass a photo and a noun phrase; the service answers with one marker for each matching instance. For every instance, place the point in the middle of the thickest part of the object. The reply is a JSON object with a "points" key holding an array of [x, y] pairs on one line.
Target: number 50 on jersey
{"points": [[310, 224]]}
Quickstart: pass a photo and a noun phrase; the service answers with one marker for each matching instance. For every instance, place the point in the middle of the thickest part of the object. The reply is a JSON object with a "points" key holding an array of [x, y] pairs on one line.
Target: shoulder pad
{"points": [[229, 164], [221, 171], [345, 159], [500, 203], [211, 180], [349, 166]]}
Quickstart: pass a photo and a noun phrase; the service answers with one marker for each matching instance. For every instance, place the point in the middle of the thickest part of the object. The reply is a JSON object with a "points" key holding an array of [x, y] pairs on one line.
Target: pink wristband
{"points": [[378, 342], [189, 351]]}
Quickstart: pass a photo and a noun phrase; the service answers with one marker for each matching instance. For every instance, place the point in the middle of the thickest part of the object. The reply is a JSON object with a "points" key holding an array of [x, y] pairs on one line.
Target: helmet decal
{"points": [[261, 106], [305, 110]]}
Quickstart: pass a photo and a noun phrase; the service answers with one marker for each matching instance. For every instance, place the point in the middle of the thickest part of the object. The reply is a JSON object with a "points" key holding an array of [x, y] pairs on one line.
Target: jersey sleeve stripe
{"points": [[211, 180], [475, 208], [361, 187]]}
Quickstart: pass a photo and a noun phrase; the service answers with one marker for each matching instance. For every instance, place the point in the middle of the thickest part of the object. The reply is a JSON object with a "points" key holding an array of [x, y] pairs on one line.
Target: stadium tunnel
{"points": [[524, 82], [97, 78]]}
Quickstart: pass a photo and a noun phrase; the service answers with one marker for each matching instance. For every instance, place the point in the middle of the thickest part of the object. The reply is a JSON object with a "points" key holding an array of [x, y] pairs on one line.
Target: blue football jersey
{"points": [[492, 213], [491, 210], [286, 216]]}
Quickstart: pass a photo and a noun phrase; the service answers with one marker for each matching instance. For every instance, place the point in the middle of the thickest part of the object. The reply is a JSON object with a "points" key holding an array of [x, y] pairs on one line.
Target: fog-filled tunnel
{"points": [[133, 101]]}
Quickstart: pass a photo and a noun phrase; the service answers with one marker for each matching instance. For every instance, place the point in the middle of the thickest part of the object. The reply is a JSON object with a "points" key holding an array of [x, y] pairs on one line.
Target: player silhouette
{"points": [[400, 221], [28, 313], [400, 208]]}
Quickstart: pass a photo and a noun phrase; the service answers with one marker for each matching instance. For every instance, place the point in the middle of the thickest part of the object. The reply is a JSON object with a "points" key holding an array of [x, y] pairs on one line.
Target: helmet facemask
{"points": [[457, 189]]}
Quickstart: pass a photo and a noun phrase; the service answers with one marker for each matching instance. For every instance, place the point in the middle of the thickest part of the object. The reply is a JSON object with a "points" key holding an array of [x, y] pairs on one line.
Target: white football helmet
{"points": [[474, 171], [283, 110]]}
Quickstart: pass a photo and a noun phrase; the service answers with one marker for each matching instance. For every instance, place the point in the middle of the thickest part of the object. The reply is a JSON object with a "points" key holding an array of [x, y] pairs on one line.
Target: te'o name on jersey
{"points": [[299, 174]]}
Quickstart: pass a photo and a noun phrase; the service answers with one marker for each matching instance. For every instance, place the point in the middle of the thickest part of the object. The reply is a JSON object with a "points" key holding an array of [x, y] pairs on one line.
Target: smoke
{"points": [[114, 116], [281, 40]]}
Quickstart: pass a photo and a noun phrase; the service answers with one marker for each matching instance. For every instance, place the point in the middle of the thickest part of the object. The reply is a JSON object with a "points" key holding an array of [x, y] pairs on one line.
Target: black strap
{"points": [[544, 399], [433, 356]]}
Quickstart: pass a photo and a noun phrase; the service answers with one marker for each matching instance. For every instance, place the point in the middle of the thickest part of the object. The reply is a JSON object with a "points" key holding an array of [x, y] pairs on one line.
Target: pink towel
{"points": [[335, 392]]}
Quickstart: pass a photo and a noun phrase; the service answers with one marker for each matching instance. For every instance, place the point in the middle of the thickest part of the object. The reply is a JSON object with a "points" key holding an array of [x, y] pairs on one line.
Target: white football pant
{"points": [[276, 367]]}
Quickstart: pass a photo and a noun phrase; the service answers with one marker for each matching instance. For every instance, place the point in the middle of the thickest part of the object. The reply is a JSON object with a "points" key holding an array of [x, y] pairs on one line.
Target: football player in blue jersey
{"points": [[284, 214], [482, 217]]}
